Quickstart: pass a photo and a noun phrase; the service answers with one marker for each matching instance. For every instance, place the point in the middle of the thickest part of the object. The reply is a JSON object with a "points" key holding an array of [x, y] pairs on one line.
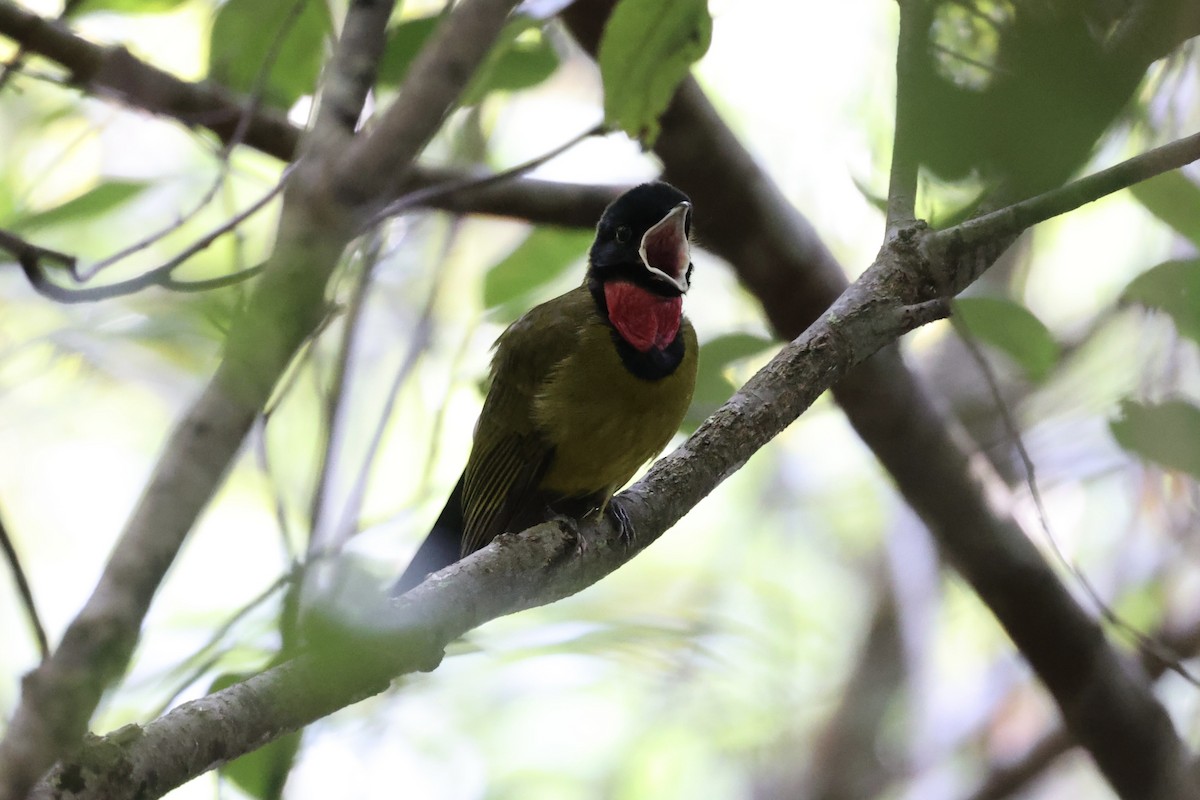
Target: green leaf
{"points": [[93, 203], [523, 57], [713, 386], [126, 6], [260, 773], [1012, 329], [245, 41], [1173, 287], [1167, 434], [539, 259], [404, 41], [1175, 199], [645, 51], [520, 60]]}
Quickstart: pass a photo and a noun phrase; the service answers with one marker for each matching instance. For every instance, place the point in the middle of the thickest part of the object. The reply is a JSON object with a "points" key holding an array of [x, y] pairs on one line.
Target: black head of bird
{"points": [[586, 388]]}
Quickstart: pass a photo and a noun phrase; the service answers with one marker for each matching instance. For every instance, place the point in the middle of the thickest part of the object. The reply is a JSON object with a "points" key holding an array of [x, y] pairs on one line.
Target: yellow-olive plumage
{"points": [[564, 407], [586, 388]]}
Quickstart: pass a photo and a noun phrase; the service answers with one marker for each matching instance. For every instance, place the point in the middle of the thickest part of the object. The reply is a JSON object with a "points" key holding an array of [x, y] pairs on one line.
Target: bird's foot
{"points": [[620, 517]]}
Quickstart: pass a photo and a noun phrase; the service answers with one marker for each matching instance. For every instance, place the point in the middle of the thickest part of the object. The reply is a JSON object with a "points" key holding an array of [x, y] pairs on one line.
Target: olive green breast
{"points": [[604, 421]]}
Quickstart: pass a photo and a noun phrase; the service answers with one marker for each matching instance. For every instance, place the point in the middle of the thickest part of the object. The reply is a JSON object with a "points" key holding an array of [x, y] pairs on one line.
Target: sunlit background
{"points": [[712, 664]]}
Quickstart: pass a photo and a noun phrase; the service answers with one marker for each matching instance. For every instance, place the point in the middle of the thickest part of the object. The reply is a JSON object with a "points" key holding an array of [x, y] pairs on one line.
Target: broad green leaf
{"points": [[1175, 199], [94, 202], [261, 773], [521, 60], [645, 51], [1173, 287], [1012, 329], [1167, 433], [539, 259], [246, 41], [126, 6], [713, 386]]}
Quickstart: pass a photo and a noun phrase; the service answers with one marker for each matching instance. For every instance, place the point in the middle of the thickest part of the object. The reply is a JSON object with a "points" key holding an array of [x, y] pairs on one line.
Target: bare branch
{"points": [[351, 73], [1006, 222], [375, 166]]}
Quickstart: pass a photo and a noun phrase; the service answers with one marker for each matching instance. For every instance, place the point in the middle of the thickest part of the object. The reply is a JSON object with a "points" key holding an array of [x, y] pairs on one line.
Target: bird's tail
{"points": [[441, 548]]}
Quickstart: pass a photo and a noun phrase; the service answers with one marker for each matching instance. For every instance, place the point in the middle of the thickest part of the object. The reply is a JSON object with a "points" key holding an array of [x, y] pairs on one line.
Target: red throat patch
{"points": [[643, 319]]}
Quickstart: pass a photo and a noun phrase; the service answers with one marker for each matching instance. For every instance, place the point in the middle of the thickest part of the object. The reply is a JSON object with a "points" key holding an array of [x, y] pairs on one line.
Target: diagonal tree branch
{"points": [[285, 308], [1107, 706]]}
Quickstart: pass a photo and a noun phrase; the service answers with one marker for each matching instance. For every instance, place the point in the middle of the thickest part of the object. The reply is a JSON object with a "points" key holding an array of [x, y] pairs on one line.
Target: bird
{"points": [[585, 388]]}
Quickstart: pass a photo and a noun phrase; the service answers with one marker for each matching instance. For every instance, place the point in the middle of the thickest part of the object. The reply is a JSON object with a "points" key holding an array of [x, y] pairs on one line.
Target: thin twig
{"points": [[1145, 641], [246, 113], [911, 55], [1017, 217], [214, 639], [418, 344], [429, 195], [335, 421], [263, 458], [160, 276], [23, 588]]}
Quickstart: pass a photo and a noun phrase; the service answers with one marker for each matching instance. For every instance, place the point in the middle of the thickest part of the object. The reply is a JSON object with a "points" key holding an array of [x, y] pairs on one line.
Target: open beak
{"points": [[665, 250]]}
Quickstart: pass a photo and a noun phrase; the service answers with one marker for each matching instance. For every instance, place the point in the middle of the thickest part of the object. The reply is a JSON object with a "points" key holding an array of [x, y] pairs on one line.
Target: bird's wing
{"points": [[501, 482], [510, 454]]}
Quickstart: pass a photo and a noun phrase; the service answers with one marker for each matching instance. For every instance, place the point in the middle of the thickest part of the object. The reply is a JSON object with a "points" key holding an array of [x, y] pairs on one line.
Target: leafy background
{"points": [[709, 666]]}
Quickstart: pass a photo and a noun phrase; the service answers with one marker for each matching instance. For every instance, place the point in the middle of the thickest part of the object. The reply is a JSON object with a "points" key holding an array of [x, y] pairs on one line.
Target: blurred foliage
{"points": [[1174, 198], [1172, 287], [1165, 433], [522, 58], [94, 202], [718, 657], [539, 259], [1012, 329], [272, 49]]}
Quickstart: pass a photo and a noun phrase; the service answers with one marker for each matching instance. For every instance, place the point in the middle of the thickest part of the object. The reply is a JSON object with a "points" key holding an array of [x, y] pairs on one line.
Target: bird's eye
{"points": [[623, 233]]}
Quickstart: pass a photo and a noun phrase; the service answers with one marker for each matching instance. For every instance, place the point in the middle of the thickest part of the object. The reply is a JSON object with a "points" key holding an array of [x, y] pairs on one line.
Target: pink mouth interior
{"points": [[666, 250]]}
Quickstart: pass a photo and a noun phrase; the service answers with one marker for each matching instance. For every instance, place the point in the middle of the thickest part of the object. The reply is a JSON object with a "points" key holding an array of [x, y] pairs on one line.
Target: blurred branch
{"points": [[349, 77], [418, 343], [332, 431], [287, 304], [911, 53], [1006, 781], [15, 63], [18, 572], [847, 762], [30, 258]]}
